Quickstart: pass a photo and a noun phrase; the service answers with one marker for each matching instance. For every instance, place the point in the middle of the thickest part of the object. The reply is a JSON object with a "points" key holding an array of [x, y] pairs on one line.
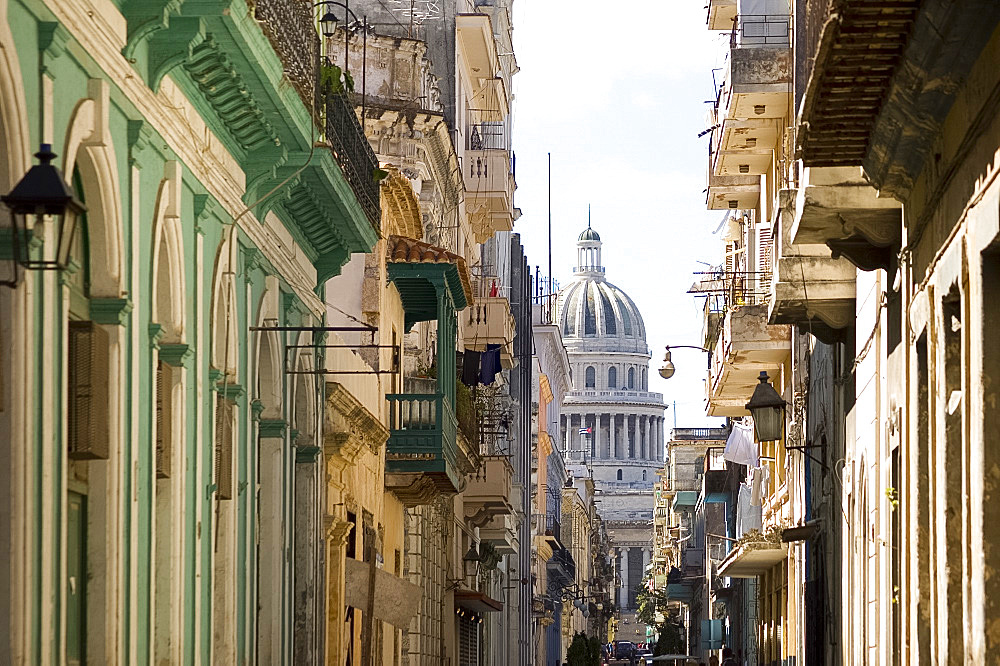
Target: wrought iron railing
{"points": [[290, 27], [353, 153]]}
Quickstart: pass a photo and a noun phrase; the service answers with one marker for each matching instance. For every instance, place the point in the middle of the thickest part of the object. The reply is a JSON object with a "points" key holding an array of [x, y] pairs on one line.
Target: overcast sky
{"points": [[616, 92]]}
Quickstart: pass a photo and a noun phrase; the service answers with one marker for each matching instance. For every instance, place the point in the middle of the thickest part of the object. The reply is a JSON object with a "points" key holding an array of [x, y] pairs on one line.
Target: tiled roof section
{"points": [[404, 250]]}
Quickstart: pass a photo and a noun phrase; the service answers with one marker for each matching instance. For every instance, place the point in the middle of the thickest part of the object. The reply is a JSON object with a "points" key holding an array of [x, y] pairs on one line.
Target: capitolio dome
{"points": [[592, 312]]}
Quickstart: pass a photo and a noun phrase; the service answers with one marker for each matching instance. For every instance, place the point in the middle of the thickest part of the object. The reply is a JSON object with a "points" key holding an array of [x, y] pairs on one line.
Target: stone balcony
{"points": [[721, 14], [489, 322], [489, 191], [477, 50], [739, 192], [809, 287], [501, 529], [755, 97], [487, 492], [746, 346], [838, 207]]}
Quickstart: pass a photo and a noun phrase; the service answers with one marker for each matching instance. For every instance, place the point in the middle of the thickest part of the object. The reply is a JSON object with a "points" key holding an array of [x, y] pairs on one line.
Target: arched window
{"points": [[591, 377], [619, 475], [612, 378], [643, 475], [631, 379]]}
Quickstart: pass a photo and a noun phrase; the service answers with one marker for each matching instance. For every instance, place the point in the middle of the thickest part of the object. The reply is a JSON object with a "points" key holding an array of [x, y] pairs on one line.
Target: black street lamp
{"points": [[328, 24], [667, 369], [768, 411], [43, 191]]}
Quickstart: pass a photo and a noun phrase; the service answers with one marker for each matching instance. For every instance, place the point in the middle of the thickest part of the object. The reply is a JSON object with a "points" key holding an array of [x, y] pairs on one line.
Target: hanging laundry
{"points": [[494, 290], [489, 364], [748, 515], [740, 447], [759, 478], [470, 367]]}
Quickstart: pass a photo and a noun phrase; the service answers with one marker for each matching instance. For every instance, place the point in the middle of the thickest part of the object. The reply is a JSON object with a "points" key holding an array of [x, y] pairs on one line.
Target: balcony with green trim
{"points": [[252, 70], [423, 458]]}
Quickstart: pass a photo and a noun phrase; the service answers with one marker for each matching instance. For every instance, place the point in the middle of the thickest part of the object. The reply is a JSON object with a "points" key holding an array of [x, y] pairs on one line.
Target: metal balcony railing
{"points": [[726, 289], [546, 524], [761, 30], [486, 130], [353, 153], [290, 27]]}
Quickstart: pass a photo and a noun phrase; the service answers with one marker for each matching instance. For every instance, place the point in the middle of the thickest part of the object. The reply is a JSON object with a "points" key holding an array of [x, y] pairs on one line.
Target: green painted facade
{"points": [[214, 206]]}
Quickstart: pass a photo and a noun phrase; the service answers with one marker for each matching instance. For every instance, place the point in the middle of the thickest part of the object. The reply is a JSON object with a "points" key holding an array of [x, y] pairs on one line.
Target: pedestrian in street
{"points": [[727, 657]]}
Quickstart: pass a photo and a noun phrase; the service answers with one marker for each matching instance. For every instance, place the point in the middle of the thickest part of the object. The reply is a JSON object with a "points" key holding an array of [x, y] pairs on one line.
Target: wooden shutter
{"points": [[164, 406], [223, 447], [88, 407]]}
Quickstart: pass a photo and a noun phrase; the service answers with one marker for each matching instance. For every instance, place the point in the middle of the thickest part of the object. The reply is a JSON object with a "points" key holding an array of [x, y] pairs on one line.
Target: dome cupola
{"points": [[592, 310]]}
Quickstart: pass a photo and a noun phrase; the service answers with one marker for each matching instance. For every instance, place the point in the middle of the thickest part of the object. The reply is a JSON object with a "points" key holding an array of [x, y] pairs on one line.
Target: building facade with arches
{"points": [[611, 424], [161, 453]]}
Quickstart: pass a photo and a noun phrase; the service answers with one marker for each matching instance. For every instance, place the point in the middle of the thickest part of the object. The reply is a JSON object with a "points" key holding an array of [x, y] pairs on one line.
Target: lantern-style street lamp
{"points": [[43, 191], [768, 411], [470, 564]]}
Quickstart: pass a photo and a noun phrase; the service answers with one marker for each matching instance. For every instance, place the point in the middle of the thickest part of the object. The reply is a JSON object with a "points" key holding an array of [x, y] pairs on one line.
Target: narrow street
{"points": [[500, 332]]}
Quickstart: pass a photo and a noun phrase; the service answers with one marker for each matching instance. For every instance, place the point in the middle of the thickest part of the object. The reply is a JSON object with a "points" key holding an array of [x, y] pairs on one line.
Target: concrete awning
{"points": [[752, 561], [396, 600]]}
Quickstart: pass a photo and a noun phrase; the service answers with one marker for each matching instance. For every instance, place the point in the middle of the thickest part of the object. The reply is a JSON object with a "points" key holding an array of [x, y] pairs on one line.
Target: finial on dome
{"points": [[589, 234]]}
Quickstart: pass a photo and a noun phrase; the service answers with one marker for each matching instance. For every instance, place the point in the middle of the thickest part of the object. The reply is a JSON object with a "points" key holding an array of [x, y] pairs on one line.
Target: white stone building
{"points": [[610, 421]]}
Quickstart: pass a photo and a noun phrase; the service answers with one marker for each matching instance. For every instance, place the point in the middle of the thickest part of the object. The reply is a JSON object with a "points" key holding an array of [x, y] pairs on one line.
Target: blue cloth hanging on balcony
{"points": [[489, 364]]}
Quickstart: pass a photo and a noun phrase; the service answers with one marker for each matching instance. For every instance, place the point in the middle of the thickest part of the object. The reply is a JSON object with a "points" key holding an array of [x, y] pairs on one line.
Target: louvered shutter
{"points": [[223, 447], [163, 420], [88, 407], [764, 249], [468, 641], [763, 261]]}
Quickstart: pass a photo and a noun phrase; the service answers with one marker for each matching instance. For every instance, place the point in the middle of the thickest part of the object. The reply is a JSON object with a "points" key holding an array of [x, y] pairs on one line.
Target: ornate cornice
{"points": [[348, 426]]}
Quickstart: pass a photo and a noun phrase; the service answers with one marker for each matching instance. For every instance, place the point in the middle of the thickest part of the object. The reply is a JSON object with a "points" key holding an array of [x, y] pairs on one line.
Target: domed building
{"points": [[612, 425]]}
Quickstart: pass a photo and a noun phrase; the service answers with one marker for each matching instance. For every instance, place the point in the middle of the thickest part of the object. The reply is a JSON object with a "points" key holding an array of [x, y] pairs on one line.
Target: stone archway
{"points": [[169, 376]]}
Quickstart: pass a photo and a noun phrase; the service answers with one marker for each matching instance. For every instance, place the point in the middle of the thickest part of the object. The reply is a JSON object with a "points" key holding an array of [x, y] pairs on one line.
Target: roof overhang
{"points": [[420, 272]]}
